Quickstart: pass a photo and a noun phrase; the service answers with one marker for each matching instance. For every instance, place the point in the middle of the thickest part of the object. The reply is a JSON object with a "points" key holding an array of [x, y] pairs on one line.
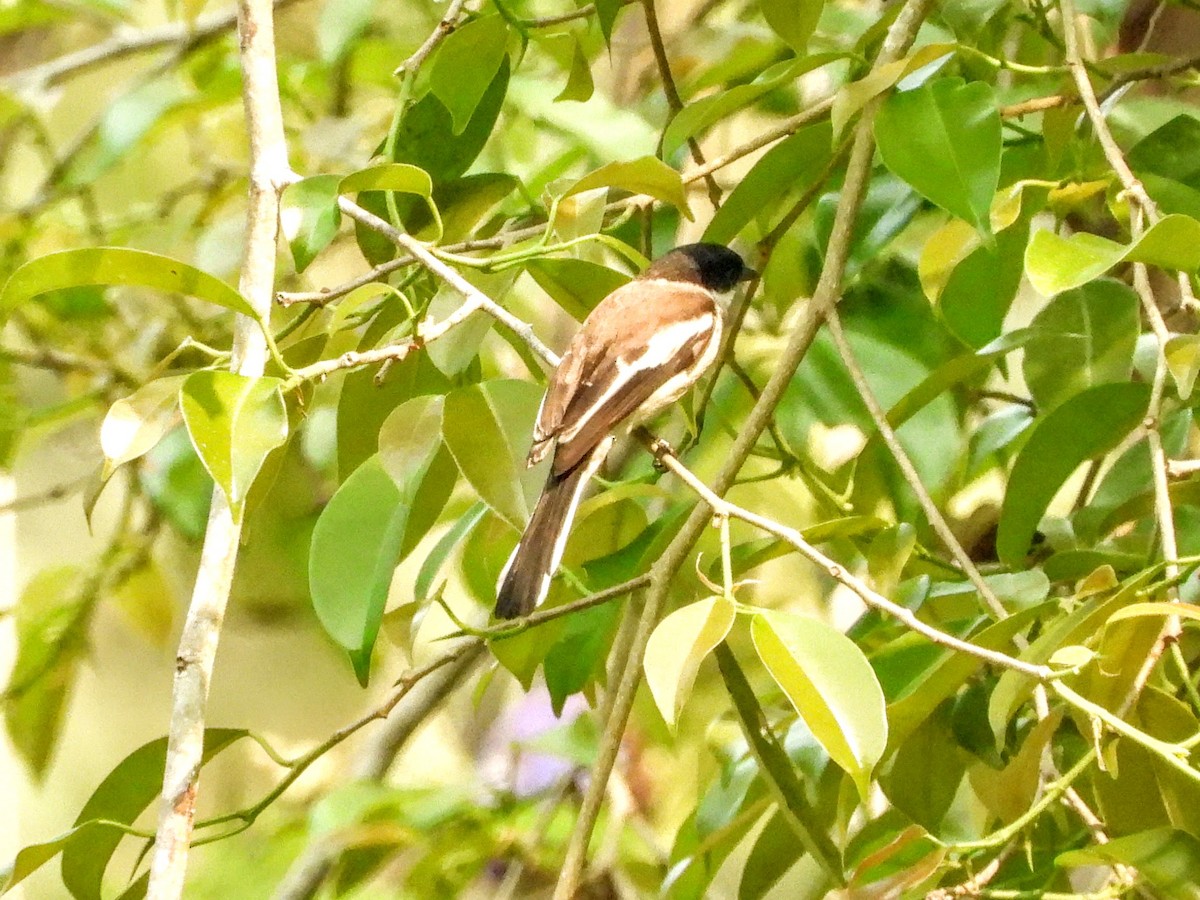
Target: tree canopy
{"points": [[906, 607]]}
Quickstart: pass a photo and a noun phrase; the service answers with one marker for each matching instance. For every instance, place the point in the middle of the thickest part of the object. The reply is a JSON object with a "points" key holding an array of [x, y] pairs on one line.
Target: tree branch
{"points": [[936, 520], [201, 632], [899, 39]]}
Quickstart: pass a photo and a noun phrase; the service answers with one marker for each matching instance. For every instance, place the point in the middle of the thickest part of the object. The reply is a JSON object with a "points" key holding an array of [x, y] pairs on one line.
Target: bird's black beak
{"points": [[748, 274]]}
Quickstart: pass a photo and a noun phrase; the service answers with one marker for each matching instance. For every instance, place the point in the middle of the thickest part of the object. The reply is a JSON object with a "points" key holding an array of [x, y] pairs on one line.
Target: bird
{"points": [[637, 352]]}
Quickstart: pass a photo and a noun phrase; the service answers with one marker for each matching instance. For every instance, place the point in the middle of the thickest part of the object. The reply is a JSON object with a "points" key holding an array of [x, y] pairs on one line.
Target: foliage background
{"points": [[1002, 297]]}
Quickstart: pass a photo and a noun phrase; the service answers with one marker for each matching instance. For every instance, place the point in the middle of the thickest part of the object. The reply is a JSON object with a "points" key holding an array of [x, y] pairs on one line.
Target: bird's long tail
{"points": [[526, 577]]}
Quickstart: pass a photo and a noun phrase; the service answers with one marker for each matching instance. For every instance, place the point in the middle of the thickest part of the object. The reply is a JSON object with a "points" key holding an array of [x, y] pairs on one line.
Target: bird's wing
{"points": [[654, 340]]}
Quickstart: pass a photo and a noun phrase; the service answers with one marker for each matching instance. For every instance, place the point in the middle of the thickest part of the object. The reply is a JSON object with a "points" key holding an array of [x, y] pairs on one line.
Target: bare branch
{"points": [[201, 632]]}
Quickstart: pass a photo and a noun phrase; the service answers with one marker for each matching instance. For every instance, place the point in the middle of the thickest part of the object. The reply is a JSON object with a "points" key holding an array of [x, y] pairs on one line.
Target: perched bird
{"points": [[637, 352]]}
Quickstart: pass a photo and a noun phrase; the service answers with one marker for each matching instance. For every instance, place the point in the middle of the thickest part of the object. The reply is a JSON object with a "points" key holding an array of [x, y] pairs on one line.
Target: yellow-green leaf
{"points": [[134, 424], [234, 421], [832, 686], [677, 647], [646, 175], [116, 266]]}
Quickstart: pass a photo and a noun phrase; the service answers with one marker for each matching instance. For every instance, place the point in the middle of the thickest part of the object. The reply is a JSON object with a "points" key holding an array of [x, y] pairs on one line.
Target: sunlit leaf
{"points": [[309, 217], [1055, 264], [1183, 362], [831, 685], [134, 424], [678, 645], [647, 175], [234, 421], [116, 266], [400, 178], [944, 139]]}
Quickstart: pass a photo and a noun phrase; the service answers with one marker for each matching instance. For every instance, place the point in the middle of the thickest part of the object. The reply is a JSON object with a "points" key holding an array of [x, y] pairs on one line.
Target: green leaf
{"points": [[793, 20], [854, 96], [775, 851], [487, 427], [678, 645], [1183, 362], [32, 857], [309, 217], [577, 657], [1166, 857], [121, 797], [355, 548], [465, 64], [411, 451], [446, 545], [943, 138], [796, 162], [234, 421], [1055, 264], [646, 175], [116, 266], [579, 84], [375, 519], [831, 685], [979, 291], [465, 204], [1183, 610], [134, 424], [364, 405], [1083, 337], [1089, 424], [606, 17], [400, 178], [701, 114], [52, 615], [576, 285], [427, 138], [946, 672]]}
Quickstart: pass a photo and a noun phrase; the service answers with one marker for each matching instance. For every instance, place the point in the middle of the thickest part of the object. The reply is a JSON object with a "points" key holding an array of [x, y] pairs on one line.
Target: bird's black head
{"points": [[711, 265]]}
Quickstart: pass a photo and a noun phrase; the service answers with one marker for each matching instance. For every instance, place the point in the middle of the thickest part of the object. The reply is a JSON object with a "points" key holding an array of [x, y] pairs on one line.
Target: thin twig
{"points": [[474, 296], [888, 434], [414, 702], [448, 23], [836, 571]]}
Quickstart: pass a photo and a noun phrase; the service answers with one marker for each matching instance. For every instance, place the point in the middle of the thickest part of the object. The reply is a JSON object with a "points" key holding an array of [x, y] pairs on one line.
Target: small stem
{"points": [[777, 770]]}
